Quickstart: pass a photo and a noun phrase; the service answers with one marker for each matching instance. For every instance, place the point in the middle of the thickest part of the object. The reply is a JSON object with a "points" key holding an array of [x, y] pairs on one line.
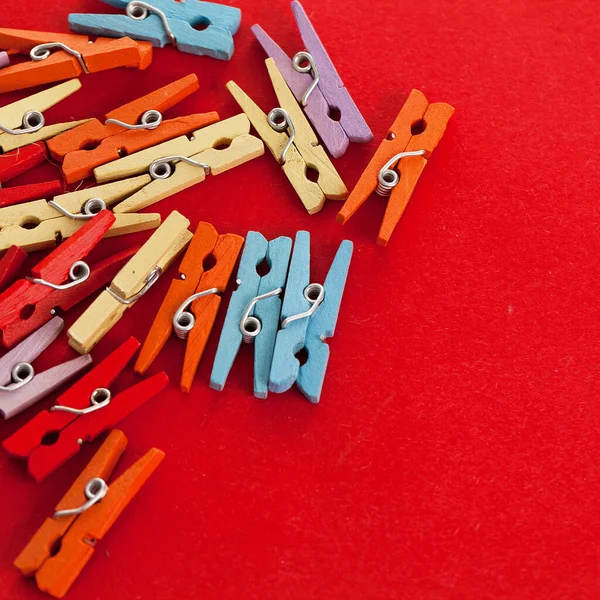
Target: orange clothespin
{"points": [[411, 139], [192, 302], [128, 129], [84, 516], [57, 56]]}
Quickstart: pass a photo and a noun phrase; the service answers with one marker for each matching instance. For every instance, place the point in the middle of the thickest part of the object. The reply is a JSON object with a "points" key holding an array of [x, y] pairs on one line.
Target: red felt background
{"points": [[454, 453]]}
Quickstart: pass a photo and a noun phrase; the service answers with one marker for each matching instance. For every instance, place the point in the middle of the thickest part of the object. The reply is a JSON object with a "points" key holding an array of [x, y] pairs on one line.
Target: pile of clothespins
{"points": [[138, 158]]}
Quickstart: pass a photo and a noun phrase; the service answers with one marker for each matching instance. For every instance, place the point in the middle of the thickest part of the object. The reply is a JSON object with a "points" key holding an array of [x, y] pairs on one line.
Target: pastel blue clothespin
{"points": [[309, 315], [254, 309], [192, 26]]}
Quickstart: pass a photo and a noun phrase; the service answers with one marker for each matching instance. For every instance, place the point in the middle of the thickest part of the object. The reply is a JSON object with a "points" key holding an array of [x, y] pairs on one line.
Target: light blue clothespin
{"points": [[254, 309], [309, 315], [191, 25]]}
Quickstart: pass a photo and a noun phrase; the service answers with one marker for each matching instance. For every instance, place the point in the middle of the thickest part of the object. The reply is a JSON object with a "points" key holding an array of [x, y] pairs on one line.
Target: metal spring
{"points": [[315, 294], [151, 119], [99, 398], [251, 326], [150, 280], [43, 51], [297, 63], [78, 273], [140, 10], [21, 375], [88, 211], [184, 321], [33, 120], [162, 168], [95, 490], [280, 121], [388, 178]]}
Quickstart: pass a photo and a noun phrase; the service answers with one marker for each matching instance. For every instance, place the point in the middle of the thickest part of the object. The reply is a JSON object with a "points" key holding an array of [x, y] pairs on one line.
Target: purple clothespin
{"points": [[20, 386], [328, 97], [4, 60]]}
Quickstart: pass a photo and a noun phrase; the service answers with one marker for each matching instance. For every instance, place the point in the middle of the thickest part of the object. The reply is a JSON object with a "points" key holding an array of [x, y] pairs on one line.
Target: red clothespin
{"points": [[21, 160], [94, 143], [83, 517], [27, 193], [56, 57], [20, 386], [81, 414], [63, 300], [10, 264], [192, 302], [48, 276]]}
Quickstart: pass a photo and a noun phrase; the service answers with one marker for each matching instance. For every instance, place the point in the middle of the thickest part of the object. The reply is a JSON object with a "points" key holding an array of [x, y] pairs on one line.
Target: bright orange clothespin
{"points": [[410, 141], [58, 56], [84, 516], [191, 305]]}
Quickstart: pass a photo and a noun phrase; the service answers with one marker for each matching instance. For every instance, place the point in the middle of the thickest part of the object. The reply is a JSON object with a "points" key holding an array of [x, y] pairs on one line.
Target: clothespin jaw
{"points": [[54, 269], [327, 97], [302, 330], [136, 277], [78, 534], [27, 193], [61, 301], [418, 129], [253, 313], [93, 144], [61, 64], [82, 414], [21, 387], [298, 151], [164, 22], [193, 279], [28, 114], [17, 162], [10, 265]]}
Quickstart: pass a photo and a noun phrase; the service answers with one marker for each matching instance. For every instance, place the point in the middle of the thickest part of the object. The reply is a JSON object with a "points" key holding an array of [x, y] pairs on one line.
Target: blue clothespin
{"points": [[309, 315], [191, 26], [253, 313]]}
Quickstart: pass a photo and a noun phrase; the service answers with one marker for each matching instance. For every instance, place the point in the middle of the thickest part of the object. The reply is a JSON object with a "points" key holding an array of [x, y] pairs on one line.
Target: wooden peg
{"points": [[27, 193], [12, 142], [10, 264], [159, 251], [22, 160]]}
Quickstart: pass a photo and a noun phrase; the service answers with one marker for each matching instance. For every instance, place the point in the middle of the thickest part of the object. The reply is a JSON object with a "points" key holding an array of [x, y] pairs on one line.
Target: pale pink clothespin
{"points": [[20, 385]]}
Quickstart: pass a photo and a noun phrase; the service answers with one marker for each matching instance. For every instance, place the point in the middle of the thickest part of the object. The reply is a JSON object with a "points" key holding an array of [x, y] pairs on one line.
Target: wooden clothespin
{"points": [[131, 283], [399, 161], [19, 300], [17, 162], [82, 414], [253, 313], [84, 516], [10, 265], [181, 163], [316, 84], [27, 193], [127, 129], [23, 122], [308, 317], [164, 22], [292, 142], [56, 57], [65, 215], [20, 386], [192, 302]]}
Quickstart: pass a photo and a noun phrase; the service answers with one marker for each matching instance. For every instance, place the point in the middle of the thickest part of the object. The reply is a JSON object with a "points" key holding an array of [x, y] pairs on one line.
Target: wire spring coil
{"points": [[184, 320], [88, 211], [250, 326], [33, 120], [388, 177]]}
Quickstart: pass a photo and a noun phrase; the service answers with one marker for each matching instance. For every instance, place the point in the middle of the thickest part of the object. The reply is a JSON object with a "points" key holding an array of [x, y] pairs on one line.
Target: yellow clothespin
{"points": [[290, 138], [23, 123], [131, 283], [183, 162]]}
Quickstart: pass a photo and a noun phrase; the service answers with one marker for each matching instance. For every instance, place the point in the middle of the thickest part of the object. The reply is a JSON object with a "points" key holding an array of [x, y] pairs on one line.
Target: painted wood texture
{"points": [[102, 465], [61, 301], [10, 265], [216, 40], [322, 326], [223, 132], [26, 193], [433, 119], [22, 160], [100, 55]]}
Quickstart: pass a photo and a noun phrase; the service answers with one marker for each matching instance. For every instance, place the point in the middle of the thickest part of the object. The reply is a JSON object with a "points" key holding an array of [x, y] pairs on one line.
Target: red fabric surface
{"points": [[454, 452]]}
